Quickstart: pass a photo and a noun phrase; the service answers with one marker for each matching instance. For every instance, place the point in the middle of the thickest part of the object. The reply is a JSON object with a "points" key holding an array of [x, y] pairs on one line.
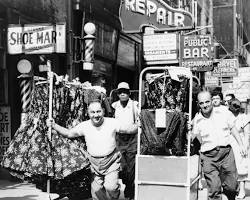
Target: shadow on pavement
{"points": [[27, 197]]}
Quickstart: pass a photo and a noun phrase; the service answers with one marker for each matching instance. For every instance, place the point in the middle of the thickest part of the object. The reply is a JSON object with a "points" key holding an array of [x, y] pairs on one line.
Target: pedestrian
{"points": [[242, 124], [213, 127], [99, 133], [228, 98], [126, 111], [217, 100]]}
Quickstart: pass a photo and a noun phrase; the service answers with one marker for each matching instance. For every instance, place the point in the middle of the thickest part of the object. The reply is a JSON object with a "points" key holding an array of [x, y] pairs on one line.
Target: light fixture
{"points": [[24, 66], [89, 28]]}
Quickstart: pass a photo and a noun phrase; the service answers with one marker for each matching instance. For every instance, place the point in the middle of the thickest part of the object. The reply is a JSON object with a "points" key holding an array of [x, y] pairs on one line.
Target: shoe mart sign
{"points": [[135, 14], [36, 39]]}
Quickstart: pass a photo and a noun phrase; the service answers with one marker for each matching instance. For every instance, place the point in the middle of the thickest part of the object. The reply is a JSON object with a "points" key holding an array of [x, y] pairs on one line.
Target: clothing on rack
{"points": [[164, 92], [33, 157], [163, 141]]}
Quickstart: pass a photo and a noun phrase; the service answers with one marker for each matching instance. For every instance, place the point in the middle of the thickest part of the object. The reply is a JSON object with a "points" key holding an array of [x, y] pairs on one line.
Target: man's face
{"points": [[205, 103], [96, 113], [227, 99], [123, 94], [216, 100]]}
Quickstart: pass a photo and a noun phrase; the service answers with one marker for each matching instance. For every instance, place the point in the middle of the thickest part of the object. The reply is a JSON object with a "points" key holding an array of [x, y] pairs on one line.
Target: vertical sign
{"points": [[5, 129]]}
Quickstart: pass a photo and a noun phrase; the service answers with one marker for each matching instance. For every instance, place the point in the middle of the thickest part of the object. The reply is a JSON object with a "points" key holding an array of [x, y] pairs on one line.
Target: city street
{"points": [[11, 189]]}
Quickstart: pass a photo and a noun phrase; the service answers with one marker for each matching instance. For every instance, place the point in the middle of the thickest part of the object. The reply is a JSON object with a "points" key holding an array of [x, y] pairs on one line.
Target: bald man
{"points": [[99, 133], [213, 127]]}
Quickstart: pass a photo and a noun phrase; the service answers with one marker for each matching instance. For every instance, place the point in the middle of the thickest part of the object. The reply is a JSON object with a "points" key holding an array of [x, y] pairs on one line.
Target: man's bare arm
{"points": [[69, 133]]}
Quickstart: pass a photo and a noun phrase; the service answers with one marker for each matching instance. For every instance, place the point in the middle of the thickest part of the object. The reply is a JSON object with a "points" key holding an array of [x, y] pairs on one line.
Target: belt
{"points": [[217, 148], [106, 155]]}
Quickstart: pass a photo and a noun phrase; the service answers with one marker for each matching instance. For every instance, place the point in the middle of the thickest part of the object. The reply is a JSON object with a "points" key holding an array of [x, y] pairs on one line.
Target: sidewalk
{"points": [[13, 189]]}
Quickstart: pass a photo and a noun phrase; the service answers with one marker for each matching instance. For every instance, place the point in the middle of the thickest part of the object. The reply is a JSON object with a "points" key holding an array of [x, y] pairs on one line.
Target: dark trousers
{"points": [[220, 172], [127, 145]]}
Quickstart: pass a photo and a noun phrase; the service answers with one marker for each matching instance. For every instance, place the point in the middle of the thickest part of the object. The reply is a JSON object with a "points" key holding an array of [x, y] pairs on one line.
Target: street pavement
{"points": [[13, 189]]}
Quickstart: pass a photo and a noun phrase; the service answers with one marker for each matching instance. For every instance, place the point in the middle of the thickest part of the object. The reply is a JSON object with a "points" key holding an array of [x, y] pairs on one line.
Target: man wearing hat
{"points": [[126, 112]]}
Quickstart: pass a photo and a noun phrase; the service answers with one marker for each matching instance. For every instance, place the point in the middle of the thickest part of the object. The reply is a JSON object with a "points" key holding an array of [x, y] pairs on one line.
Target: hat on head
{"points": [[123, 85], [235, 105]]}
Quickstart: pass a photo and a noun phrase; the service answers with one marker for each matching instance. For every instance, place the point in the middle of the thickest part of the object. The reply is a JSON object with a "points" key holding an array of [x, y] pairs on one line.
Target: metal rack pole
{"points": [[50, 77]]}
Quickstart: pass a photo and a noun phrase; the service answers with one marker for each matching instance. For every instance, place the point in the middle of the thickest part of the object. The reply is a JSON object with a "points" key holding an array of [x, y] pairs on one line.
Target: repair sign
{"points": [[196, 52], [37, 38]]}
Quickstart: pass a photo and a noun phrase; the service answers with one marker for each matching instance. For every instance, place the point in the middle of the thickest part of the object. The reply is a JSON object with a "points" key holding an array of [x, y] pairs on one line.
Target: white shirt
{"points": [[100, 140], [215, 130], [126, 115]]}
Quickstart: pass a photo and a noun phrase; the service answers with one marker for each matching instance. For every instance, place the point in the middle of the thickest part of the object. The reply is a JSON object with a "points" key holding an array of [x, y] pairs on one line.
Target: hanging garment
{"points": [[32, 156], [163, 141], [167, 93]]}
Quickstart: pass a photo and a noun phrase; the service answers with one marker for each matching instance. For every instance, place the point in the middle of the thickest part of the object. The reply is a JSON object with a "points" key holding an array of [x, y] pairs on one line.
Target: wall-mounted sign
{"points": [[211, 81], [226, 68], [135, 14], [160, 47], [195, 52], [37, 39], [5, 129]]}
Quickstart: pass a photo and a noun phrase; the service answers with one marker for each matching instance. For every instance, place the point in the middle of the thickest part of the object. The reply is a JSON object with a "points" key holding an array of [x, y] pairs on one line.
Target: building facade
{"points": [[231, 30]]}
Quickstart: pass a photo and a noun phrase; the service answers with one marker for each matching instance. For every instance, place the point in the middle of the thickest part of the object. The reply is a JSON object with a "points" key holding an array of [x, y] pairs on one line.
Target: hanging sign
{"points": [[37, 39], [196, 53], [5, 129], [135, 14], [160, 47], [226, 68]]}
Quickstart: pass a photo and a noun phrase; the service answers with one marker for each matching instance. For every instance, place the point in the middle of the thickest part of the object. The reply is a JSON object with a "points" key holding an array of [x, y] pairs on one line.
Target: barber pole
{"points": [[25, 92], [89, 38]]}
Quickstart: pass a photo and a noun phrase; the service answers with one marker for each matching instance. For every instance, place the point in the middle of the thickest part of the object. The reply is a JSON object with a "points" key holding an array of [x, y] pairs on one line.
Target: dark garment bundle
{"points": [[170, 141]]}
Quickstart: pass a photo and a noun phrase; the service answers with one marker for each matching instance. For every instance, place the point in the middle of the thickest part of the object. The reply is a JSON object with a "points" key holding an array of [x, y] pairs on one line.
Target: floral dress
{"points": [[32, 156]]}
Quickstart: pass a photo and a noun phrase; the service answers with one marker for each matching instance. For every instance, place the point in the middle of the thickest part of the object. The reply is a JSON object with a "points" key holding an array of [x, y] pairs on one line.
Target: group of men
{"points": [[111, 145], [219, 127]]}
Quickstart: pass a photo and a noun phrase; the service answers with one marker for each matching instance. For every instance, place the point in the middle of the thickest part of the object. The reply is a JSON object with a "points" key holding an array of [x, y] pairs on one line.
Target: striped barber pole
{"points": [[26, 89], [89, 48]]}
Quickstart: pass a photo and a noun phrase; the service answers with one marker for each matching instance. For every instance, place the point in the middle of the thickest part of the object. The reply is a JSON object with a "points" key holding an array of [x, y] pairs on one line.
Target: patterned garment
{"points": [[167, 93], [32, 156]]}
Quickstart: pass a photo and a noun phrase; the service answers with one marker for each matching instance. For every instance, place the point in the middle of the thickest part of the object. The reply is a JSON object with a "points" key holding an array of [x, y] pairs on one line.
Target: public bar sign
{"points": [[160, 47], [37, 39], [135, 14], [5, 129], [196, 52], [226, 68]]}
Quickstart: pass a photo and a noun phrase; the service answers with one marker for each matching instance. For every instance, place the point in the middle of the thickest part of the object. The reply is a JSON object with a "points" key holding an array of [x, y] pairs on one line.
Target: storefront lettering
{"points": [[30, 38], [196, 47], [4, 116], [163, 16], [4, 141]]}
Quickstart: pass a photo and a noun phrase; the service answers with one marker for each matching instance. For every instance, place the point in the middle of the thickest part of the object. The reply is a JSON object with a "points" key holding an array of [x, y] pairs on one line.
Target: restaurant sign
{"points": [[135, 14], [226, 68], [196, 52], [37, 39]]}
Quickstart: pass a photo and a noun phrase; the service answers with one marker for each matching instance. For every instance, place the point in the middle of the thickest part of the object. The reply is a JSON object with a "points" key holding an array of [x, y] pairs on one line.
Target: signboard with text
{"points": [[36, 39], [136, 14], [5, 129], [211, 81], [226, 68], [160, 47], [196, 52]]}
